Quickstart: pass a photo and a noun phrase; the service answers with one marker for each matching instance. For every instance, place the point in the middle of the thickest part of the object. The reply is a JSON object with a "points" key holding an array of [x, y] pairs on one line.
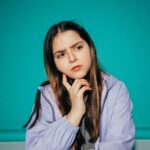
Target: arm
{"points": [[48, 134], [120, 130]]}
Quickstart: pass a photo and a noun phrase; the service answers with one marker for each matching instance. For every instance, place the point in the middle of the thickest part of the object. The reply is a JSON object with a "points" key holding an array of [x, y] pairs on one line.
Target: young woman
{"points": [[80, 106]]}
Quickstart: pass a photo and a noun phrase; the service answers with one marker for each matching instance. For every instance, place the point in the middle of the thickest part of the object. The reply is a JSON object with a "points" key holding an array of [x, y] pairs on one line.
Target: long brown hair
{"points": [[93, 103]]}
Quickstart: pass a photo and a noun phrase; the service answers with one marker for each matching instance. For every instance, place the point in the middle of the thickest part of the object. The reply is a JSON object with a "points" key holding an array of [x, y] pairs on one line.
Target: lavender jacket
{"points": [[54, 132]]}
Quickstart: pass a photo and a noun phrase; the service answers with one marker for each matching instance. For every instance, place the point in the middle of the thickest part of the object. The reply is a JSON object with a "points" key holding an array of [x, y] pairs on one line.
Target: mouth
{"points": [[76, 68]]}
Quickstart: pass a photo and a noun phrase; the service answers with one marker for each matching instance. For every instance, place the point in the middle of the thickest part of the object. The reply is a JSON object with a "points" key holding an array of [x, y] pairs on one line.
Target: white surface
{"points": [[139, 145]]}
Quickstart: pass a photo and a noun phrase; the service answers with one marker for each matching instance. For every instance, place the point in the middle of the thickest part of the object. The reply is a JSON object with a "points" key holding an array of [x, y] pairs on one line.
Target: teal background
{"points": [[120, 29]]}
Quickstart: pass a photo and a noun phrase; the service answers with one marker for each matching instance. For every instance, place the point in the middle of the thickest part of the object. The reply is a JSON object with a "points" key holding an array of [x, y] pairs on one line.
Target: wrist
{"points": [[74, 117]]}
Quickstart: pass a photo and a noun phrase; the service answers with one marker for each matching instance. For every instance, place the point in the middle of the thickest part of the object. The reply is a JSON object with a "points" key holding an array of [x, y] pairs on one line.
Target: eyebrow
{"points": [[72, 46]]}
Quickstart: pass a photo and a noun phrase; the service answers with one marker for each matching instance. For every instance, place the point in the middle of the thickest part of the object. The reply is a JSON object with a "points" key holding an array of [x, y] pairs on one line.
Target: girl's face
{"points": [[71, 54]]}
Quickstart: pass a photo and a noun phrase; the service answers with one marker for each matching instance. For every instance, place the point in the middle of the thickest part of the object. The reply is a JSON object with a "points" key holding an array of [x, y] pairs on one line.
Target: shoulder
{"points": [[115, 90], [117, 93], [110, 80], [117, 109], [48, 100], [47, 93], [45, 88]]}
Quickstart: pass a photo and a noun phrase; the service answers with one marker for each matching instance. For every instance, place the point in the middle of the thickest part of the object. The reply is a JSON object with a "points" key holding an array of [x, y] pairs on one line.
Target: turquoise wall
{"points": [[120, 29]]}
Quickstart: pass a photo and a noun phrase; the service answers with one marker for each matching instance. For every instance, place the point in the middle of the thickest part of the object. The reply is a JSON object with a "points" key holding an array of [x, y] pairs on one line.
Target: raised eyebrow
{"points": [[76, 44], [72, 46], [59, 51]]}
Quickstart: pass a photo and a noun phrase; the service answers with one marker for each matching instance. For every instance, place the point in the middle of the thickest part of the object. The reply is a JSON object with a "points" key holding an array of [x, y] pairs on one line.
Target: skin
{"points": [[70, 50]]}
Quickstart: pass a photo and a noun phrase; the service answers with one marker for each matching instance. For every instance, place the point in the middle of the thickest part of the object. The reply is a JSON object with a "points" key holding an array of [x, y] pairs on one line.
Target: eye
{"points": [[60, 55], [79, 47]]}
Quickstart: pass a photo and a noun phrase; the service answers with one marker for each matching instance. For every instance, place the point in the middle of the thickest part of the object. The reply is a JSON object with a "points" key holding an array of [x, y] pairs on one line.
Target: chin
{"points": [[78, 75]]}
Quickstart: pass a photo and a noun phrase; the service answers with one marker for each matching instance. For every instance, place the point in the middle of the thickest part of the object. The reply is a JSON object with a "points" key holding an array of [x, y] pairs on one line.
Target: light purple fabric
{"points": [[54, 132]]}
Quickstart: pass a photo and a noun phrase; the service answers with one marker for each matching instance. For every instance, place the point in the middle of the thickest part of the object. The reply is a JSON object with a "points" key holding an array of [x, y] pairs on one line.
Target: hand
{"points": [[76, 92]]}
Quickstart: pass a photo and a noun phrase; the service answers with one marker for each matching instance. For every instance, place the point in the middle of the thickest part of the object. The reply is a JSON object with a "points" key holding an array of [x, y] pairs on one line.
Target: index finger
{"points": [[65, 83]]}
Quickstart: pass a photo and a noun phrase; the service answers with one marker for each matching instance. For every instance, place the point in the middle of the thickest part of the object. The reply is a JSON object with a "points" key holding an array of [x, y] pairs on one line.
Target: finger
{"points": [[65, 83], [83, 89], [79, 85], [79, 81], [74, 83], [84, 80]]}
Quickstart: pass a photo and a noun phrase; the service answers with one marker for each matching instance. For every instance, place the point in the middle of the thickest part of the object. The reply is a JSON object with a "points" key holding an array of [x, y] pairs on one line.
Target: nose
{"points": [[72, 57]]}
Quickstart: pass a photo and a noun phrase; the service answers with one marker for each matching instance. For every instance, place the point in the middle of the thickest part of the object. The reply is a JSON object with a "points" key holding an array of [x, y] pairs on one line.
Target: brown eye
{"points": [[79, 47], [60, 55]]}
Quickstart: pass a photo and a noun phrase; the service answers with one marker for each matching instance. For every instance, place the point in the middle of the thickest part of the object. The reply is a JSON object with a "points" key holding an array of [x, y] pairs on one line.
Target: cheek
{"points": [[88, 57], [61, 66], [88, 60]]}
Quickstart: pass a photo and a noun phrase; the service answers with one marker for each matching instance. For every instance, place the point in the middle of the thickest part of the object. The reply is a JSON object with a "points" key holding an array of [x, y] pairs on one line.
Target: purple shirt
{"points": [[54, 132]]}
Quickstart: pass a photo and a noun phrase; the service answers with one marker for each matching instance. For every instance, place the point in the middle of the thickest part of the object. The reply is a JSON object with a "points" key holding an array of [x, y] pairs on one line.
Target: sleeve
{"points": [[50, 134], [121, 130]]}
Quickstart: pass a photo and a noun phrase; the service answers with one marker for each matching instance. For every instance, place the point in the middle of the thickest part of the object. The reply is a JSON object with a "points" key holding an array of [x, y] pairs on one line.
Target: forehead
{"points": [[65, 39]]}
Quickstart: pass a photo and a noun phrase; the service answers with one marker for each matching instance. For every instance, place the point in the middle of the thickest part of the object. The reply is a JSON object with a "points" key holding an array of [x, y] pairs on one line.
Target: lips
{"points": [[76, 68]]}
